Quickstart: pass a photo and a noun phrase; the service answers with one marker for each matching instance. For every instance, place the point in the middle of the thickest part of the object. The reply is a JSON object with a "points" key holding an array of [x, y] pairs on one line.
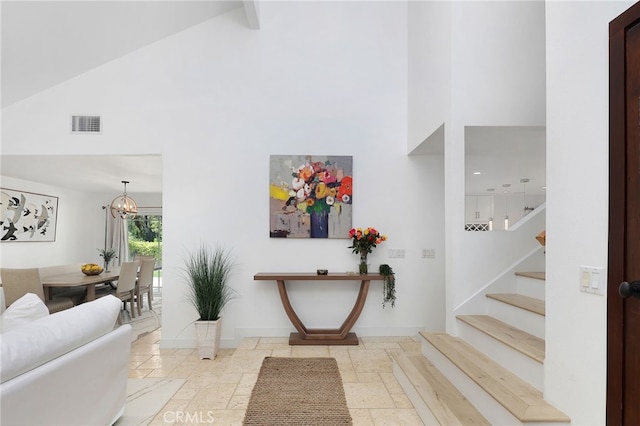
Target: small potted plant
{"points": [[207, 273], [389, 287], [108, 255]]}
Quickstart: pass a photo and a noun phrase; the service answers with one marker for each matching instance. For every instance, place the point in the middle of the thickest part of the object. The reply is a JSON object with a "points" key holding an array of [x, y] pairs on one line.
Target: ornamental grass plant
{"points": [[207, 271]]}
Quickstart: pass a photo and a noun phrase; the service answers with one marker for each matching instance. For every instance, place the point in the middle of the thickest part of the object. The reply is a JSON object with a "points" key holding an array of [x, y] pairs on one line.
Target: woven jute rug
{"points": [[298, 391]]}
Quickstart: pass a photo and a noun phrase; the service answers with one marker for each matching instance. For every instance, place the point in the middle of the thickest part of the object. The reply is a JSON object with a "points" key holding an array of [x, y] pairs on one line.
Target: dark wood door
{"points": [[623, 313]]}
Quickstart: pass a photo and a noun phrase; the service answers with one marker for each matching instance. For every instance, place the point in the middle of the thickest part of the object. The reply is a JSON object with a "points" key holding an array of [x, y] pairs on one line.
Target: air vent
{"points": [[86, 124]]}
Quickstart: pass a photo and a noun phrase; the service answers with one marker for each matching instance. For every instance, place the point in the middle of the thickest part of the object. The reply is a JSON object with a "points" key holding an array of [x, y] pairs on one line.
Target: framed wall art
{"points": [[27, 216], [310, 196]]}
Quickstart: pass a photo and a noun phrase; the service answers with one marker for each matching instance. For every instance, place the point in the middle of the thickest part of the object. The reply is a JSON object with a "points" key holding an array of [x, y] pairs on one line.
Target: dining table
{"points": [[78, 279]]}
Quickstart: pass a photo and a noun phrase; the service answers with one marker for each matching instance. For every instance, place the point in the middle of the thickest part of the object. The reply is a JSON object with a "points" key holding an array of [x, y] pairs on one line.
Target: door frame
{"points": [[617, 209]]}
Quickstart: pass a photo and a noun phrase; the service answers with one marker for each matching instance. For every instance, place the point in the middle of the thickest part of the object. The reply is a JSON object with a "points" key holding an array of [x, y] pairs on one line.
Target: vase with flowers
{"points": [[363, 242]]}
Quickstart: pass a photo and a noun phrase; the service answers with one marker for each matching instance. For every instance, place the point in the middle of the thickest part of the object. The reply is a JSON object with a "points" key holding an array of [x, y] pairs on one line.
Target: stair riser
{"points": [[495, 413], [519, 364], [421, 408], [517, 317], [530, 287]]}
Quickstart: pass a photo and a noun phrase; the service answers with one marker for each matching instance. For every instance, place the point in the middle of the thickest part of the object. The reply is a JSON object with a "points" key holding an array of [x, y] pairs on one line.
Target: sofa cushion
{"points": [[31, 345], [24, 310]]}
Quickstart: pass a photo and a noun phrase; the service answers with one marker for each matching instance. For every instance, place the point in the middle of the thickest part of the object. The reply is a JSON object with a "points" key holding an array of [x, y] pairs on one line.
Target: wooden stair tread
{"points": [[523, 342], [518, 397], [444, 400], [534, 275], [523, 302]]}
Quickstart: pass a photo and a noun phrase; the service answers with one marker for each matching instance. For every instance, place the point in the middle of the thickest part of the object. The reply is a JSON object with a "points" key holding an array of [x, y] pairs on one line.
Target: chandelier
{"points": [[123, 205]]}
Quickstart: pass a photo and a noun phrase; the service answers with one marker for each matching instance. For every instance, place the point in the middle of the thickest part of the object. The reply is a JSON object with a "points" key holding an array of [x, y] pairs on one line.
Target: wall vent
{"points": [[86, 124]]}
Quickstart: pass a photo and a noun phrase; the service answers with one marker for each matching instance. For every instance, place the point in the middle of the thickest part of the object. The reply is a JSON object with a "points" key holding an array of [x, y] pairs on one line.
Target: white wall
{"points": [[429, 68], [498, 63], [216, 100], [473, 63], [498, 79], [577, 177]]}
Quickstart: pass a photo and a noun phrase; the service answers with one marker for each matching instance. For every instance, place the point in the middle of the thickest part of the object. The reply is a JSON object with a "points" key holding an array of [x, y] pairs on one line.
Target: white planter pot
{"points": [[208, 338]]}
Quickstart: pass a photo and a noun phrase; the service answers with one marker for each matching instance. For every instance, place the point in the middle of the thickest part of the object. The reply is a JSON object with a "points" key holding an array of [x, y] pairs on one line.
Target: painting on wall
{"points": [[27, 216], [310, 196]]}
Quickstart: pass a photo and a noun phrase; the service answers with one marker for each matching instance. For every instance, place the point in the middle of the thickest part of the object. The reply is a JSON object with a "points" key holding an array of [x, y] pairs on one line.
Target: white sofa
{"points": [[67, 368]]}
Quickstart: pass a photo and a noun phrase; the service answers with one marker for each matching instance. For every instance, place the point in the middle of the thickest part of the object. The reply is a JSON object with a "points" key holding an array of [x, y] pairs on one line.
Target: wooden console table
{"points": [[305, 336]]}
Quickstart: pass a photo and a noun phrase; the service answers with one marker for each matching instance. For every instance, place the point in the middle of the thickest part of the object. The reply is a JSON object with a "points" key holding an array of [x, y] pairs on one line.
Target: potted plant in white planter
{"points": [[207, 272]]}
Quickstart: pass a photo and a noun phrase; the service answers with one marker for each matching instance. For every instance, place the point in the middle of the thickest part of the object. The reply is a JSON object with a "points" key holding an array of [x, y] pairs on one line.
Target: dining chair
{"points": [[145, 281], [19, 281], [155, 261], [126, 287]]}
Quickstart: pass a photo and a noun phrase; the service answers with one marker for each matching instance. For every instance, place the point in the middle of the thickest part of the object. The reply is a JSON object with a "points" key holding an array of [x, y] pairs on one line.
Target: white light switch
{"points": [[592, 279], [428, 253], [585, 278], [595, 280], [396, 253]]}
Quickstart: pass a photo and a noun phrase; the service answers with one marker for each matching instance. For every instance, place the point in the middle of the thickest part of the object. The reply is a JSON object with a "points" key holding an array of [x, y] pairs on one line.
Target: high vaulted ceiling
{"points": [[44, 43], [47, 42]]}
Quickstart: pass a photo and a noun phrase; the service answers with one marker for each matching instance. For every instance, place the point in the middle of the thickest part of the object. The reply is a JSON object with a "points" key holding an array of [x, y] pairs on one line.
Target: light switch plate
{"points": [[428, 253], [396, 253], [592, 279]]}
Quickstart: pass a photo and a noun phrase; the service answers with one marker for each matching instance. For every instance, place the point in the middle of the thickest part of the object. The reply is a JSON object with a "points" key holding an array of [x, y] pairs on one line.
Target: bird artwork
{"points": [[26, 216]]}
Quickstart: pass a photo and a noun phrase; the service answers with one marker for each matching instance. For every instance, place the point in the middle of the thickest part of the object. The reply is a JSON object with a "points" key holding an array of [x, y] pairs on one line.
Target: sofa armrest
{"points": [[87, 386], [37, 342]]}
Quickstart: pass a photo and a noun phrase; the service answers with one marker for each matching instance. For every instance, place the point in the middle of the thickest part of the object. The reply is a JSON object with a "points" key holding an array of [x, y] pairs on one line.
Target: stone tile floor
{"points": [[217, 391]]}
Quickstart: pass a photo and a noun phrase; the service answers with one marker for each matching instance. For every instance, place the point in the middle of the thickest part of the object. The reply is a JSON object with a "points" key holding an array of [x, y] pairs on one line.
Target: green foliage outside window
{"points": [[145, 237]]}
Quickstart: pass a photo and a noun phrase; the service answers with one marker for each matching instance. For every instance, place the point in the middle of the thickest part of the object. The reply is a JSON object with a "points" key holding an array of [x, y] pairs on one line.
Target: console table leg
{"points": [[291, 313], [350, 321]]}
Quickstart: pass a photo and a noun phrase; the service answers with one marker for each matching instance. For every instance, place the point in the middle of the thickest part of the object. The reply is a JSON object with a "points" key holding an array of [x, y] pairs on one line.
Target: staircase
{"points": [[496, 363]]}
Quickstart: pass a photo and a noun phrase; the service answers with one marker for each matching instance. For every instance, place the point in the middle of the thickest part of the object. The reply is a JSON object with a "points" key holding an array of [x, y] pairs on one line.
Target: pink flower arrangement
{"points": [[364, 240]]}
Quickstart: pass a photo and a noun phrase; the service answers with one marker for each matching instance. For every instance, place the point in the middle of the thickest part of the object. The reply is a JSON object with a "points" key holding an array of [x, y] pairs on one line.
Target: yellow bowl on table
{"points": [[91, 269]]}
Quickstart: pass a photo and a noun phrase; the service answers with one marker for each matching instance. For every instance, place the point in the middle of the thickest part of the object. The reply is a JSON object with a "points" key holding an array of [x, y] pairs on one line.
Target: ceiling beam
{"points": [[252, 11]]}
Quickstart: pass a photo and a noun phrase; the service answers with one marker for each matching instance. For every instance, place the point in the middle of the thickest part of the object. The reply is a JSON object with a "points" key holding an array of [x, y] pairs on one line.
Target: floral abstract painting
{"points": [[310, 196], [27, 216]]}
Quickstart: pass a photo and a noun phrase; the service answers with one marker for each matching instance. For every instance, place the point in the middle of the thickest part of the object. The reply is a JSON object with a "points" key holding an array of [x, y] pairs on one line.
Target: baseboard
{"points": [[242, 333]]}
